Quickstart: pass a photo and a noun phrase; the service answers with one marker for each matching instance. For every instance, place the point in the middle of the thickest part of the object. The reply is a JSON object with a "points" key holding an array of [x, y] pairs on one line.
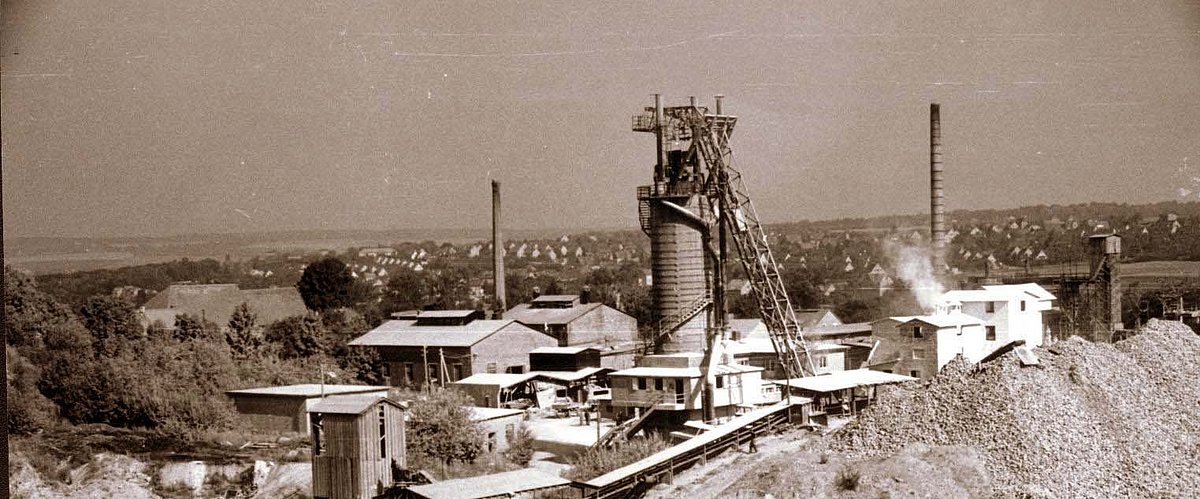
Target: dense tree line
{"points": [[97, 364]]}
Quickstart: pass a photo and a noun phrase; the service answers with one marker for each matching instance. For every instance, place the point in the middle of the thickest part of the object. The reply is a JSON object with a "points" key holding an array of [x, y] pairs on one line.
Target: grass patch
{"points": [[847, 479]]}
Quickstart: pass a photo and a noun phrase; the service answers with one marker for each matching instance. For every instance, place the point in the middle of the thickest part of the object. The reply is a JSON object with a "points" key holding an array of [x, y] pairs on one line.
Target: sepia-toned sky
{"points": [[151, 117]]}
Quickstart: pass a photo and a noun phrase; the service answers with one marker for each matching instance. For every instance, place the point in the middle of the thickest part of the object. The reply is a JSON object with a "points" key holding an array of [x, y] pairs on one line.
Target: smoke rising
{"points": [[914, 266]]}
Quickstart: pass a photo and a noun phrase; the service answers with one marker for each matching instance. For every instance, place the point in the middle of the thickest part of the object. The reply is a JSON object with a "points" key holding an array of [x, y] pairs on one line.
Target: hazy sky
{"points": [[148, 117]]}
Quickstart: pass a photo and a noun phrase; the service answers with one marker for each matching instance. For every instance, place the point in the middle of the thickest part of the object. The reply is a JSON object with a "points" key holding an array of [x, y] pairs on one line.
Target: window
{"points": [[822, 361], [991, 333], [508, 431], [917, 332], [408, 373], [915, 374], [456, 372], [720, 382], [387, 370], [435, 374], [515, 370], [1022, 305], [491, 442], [491, 367], [990, 307], [318, 431], [918, 353], [382, 433], [658, 384], [641, 384]]}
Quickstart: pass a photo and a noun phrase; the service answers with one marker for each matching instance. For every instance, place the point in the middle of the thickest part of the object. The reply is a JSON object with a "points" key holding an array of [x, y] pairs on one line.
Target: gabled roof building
{"points": [[444, 346]]}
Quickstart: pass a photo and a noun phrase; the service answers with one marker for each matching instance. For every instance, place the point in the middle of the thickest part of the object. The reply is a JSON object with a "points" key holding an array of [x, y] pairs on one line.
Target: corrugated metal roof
{"points": [[308, 390], [497, 485], [399, 333], [524, 314], [496, 379], [349, 404], [843, 380]]}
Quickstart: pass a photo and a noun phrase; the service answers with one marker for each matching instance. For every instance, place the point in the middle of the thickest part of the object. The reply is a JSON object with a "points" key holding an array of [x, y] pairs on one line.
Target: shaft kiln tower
{"points": [[697, 202]]}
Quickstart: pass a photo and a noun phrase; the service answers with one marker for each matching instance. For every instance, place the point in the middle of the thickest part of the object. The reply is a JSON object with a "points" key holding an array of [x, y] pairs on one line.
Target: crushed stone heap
{"points": [[1094, 420]]}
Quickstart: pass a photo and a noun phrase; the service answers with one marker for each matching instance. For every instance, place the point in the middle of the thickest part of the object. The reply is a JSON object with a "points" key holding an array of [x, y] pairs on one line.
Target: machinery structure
{"points": [[696, 205]]}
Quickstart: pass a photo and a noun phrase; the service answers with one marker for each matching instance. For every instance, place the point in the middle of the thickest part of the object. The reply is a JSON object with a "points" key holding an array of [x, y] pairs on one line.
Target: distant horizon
{"points": [[566, 230]]}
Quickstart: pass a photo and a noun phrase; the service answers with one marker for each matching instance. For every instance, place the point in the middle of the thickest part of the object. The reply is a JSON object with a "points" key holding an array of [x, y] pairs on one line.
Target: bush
{"points": [[520, 446], [597, 461], [440, 428], [847, 479]]}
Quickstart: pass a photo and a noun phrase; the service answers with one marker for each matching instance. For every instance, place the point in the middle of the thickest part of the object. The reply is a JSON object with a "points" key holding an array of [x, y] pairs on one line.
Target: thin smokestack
{"points": [[498, 253], [937, 204]]}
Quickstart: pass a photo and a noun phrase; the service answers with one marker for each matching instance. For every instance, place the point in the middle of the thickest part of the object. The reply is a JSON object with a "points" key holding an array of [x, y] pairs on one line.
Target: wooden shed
{"points": [[356, 442]]}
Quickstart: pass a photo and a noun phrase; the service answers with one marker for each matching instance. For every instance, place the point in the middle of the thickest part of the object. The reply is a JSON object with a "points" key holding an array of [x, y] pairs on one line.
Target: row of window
{"points": [[989, 331]]}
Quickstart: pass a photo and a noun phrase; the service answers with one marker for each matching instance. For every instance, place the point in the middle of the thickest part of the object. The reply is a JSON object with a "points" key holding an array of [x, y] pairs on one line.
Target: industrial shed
{"points": [[356, 443], [285, 408], [574, 321], [498, 389], [444, 346]]}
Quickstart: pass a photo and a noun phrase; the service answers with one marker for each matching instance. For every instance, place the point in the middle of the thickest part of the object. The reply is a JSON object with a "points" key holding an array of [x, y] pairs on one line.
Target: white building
{"points": [[1009, 312]]}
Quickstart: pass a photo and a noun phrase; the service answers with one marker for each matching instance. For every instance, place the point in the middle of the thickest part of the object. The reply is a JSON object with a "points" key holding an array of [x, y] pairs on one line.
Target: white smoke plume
{"points": [[914, 265]]}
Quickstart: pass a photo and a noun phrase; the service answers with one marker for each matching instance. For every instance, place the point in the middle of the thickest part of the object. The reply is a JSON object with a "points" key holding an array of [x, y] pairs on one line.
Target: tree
{"points": [[299, 336], [404, 291], [244, 334], [190, 327], [440, 428], [112, 322], [520, 445], [326, 284]]}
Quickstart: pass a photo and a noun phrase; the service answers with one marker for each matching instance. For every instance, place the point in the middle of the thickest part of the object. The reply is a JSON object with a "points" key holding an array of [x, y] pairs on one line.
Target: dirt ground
{"points": [[797, 464]]}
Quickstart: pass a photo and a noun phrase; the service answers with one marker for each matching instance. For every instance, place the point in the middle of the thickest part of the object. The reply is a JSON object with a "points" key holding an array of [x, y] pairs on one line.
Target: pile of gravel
{"points": [[1094, 420]]}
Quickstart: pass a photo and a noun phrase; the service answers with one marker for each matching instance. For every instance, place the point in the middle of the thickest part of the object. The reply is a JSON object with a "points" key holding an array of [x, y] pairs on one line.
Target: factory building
{"points": [[443, 346], [575, 321], [920, 346], [1009, 312]]}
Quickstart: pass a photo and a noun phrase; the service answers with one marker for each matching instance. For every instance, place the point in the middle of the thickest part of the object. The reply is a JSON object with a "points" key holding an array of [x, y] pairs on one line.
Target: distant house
{"points": [[356, 443], [449, 345], [814, 318], [741, 329], [920, 346], [573, 320], [380, 251], [285, 408], [216, 303]]}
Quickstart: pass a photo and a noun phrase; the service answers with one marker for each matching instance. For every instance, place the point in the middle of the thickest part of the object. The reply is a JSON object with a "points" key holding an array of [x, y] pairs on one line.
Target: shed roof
{"points": [[561, 350], [842, 380], [496, 485], [350, 404], [838, 330], [307, 390], [489, 413], [401, 333], [570, 375], [502, 380]]}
